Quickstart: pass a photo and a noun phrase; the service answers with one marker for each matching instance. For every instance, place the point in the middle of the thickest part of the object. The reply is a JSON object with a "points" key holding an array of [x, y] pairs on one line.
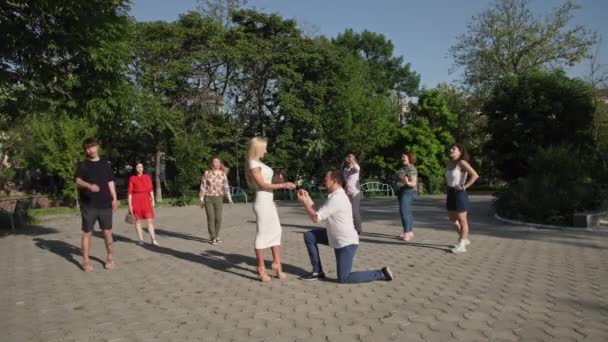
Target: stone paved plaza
{"points": [[514, 284]]}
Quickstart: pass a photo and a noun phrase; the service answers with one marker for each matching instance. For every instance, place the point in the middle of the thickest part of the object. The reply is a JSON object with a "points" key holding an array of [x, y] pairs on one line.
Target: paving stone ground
{"points": [[514, 284]]}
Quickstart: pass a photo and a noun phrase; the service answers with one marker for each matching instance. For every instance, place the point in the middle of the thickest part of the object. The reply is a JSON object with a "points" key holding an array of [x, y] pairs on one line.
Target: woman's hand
{"points": [[230, 201], [288, 185], [202, 202]]}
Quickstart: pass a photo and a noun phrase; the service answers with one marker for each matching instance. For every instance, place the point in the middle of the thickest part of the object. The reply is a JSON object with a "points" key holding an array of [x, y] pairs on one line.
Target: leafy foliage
{"points": [[56, 56], [56, 147], [557, 185], [507, 40], [537, 110]]}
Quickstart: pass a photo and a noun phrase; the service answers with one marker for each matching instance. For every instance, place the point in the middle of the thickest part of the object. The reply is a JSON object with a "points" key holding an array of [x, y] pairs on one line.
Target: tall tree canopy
{"points": [[58, 56], [507, 39], [536, 110]]}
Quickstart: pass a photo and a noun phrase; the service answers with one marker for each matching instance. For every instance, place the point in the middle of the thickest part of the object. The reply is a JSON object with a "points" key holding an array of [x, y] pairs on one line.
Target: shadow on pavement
{"points": [[30, 230], [430, 213], [299, 226], [209, 260], [445, 248], [162, 232], [63, 249], [217, 260]]}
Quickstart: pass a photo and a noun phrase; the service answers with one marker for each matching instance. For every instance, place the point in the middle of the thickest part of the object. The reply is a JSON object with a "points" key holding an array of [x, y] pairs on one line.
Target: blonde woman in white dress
{"points": [[268, 226]]}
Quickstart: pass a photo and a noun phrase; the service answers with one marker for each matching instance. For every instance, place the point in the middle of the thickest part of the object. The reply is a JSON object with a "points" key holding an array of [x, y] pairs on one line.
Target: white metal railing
{"points": [[235, 191], [378, 187]]}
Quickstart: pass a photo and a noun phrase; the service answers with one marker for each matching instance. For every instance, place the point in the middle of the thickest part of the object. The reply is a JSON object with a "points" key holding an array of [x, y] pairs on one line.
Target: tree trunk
{"points": [[159, 189]]}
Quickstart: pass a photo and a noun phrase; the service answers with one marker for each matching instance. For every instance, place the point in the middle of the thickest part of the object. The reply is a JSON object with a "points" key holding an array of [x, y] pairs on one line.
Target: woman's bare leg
{"points": [[151, 229], [453, 217], [463, 221], [138, 230]]}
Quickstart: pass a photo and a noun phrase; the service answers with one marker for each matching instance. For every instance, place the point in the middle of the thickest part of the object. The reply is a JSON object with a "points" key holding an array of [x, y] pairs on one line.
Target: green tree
{"points": [[57, 56], [434, 106], [507, 39], [221, 11], [418, 137], [55, 147], [388, 72], [537, 110]]}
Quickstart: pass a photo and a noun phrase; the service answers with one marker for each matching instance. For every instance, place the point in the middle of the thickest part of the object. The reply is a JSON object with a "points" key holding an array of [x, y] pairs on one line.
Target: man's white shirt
{"points": [[337, 214]]}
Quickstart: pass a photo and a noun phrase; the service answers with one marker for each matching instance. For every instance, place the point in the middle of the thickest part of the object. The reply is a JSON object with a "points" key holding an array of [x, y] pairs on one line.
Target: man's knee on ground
{"points": [[343, 280]]}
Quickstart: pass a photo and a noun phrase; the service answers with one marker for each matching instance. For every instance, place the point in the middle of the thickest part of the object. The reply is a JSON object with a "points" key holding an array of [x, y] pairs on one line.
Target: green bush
{"points": [[561, 182], [56, 147]]}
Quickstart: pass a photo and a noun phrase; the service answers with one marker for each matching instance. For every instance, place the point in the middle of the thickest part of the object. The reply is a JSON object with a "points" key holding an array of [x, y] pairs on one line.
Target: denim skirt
{"points": [[457, 200]]}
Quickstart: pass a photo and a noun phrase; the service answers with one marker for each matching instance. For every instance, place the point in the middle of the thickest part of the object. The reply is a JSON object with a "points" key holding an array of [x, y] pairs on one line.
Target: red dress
{"points": [[140, 188]]}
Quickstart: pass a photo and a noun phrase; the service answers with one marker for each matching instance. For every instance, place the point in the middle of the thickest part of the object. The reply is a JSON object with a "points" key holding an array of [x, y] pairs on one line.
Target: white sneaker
{"points": [[460, 248], [466, 242]]}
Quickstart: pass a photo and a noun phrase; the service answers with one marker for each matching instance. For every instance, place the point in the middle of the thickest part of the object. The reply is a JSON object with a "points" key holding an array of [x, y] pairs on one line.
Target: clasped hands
{"points": [[304, 198]]}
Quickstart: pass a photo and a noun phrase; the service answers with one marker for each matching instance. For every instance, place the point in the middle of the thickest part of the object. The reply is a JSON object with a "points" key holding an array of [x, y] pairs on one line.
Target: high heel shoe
{"points": [[262, 275], [278, 272]]}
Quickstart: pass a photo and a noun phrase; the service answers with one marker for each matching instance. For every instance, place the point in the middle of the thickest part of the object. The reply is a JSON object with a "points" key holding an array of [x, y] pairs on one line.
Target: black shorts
{"points": [[92, 215], [457, 200]]}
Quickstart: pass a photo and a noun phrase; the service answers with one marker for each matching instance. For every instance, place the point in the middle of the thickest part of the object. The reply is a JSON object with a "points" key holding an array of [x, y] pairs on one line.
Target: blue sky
{"points": [[422, 31]]}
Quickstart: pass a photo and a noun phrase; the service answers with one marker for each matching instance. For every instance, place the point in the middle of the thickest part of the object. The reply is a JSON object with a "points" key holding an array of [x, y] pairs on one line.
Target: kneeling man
{"points": [[340, 234]]}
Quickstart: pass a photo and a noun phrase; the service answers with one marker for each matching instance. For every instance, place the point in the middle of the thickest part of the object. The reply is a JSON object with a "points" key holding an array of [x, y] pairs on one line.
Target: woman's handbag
{"points": [[130, 219]]}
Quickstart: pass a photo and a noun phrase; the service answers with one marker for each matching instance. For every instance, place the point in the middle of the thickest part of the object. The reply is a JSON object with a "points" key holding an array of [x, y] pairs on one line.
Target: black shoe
{"points": [[388, 275], [314, 276]]}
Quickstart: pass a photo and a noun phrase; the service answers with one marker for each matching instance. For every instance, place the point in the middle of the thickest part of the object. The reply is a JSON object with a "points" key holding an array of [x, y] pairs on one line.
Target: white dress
{"points": [[268, 227]]}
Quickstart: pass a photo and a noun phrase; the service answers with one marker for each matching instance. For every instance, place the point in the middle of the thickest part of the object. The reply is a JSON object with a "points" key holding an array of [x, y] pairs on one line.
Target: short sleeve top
{"points": [[267, 172], [99, 173], [140, 184], [409, 171]]}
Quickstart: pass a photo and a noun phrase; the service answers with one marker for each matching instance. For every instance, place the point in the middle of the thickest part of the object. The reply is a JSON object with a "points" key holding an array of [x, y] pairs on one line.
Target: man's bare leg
{"points": [[85, 243], [107, 237]]}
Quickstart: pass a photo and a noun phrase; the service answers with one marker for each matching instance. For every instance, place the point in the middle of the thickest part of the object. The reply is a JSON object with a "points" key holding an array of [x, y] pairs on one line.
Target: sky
{"points": [[422, 31]]}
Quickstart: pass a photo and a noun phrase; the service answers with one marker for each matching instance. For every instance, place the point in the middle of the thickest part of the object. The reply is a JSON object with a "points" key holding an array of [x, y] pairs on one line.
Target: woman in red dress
{"points": [[141, 202]]}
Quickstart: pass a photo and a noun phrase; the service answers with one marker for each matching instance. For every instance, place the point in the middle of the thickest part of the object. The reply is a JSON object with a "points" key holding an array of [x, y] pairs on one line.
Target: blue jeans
{"points": [[406, 200], [344, 259]]}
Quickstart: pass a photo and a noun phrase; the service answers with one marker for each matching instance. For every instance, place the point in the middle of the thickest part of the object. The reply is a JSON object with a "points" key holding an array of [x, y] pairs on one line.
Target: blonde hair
{"points": [[256, 148]]}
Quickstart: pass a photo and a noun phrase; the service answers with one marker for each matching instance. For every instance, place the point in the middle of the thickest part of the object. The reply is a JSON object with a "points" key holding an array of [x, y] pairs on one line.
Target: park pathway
{"points": [[514, 284]]}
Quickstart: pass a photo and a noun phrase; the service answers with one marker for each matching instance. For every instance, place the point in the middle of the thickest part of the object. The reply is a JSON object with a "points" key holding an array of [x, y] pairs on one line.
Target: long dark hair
{"points": [[464, 154], [135, 168]]}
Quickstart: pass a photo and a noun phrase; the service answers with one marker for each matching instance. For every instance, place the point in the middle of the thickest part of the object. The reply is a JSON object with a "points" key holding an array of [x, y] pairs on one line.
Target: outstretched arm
{"points": [[256, 175]]}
